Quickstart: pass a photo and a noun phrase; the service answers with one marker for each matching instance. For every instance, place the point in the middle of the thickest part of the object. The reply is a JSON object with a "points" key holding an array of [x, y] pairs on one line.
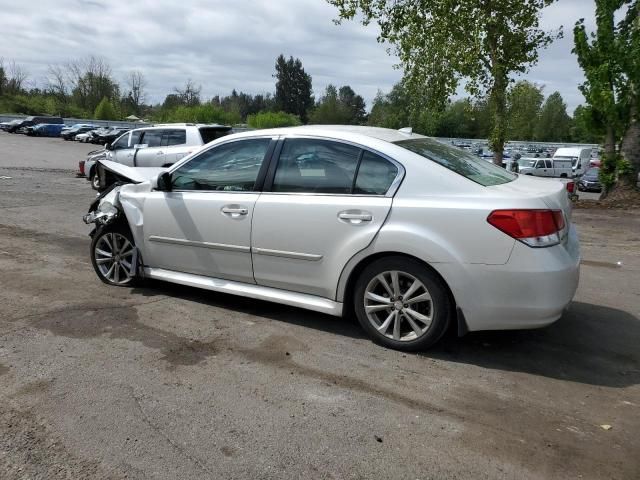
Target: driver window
{"points": [[122, 142], [231, 167]]}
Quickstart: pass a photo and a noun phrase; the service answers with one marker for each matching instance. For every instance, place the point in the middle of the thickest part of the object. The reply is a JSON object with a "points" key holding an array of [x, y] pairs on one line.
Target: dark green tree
{"points": [[441, 42], [610, 59], [293, 88], [524, 100], [554, 124], [105, 110]]}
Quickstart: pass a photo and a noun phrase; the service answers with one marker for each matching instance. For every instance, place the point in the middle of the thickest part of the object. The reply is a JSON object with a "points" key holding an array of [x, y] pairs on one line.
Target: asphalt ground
{"points": [[174, 382]]}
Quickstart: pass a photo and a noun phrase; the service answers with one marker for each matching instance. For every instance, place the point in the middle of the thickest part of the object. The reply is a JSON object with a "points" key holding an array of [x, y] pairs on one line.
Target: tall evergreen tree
{"points": [[554, 123], [293, 88]]}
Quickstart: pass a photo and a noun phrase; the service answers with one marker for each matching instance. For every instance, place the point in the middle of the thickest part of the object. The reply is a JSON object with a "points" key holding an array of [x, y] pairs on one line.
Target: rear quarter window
{"points": [[459, 161], [209, 134]]}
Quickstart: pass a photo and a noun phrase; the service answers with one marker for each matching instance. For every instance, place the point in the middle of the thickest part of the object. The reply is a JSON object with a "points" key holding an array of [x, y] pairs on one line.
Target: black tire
{"points": [[95, 179], [440, 305], [118, 230]]}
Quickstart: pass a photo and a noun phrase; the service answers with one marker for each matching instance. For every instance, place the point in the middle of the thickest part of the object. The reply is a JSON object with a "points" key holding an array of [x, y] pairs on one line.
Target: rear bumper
{"points": [[530, 291]]}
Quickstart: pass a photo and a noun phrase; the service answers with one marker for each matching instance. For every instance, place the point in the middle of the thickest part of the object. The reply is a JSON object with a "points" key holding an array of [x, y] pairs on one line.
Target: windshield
{"points": [[527, 163], [459, 161]]}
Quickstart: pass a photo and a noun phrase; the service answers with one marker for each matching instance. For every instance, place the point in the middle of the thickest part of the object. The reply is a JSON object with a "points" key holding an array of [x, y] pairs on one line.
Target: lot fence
{"points": [[72, 121]]}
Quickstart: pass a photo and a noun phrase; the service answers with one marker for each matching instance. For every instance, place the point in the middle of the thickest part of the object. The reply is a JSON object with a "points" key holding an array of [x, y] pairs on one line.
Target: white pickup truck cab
{"points": [[546, 167], [580, 158]]}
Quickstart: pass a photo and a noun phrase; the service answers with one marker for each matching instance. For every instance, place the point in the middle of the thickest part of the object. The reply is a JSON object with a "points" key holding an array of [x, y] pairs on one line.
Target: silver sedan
{"points": [[410, 234]]}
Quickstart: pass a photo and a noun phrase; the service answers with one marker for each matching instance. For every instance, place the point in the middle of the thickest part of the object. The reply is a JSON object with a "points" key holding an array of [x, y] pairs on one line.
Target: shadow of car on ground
{"points": [[590, 344]]}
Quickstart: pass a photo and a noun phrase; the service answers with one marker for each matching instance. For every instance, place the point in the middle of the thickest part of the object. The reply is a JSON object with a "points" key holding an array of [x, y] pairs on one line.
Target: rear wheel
{"points": [[113, 255], [401, 304]]}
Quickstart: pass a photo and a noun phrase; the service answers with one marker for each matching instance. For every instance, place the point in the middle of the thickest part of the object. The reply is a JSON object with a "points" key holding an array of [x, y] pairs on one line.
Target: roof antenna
{"points": [[406, 130]]}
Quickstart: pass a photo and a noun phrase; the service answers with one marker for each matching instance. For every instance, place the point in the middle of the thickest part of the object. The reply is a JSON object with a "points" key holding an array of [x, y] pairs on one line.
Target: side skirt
{"points": [[302, 300]]}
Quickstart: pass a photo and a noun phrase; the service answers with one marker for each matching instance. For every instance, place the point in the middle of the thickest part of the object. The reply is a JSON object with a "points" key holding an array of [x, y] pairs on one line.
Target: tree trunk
{"points": [[609, 158], [631, 147], [499, 104]]}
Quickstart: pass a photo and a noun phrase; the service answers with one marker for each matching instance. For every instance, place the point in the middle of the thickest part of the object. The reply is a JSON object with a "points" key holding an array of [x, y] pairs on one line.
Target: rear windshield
{"points": [[209, 134], [459, 161]]}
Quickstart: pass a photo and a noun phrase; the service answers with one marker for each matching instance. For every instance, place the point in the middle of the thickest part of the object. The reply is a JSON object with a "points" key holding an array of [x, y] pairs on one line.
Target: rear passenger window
{"points": [[316, 166], [152, 138], [174, 137], [375, 175], [548, 163]]}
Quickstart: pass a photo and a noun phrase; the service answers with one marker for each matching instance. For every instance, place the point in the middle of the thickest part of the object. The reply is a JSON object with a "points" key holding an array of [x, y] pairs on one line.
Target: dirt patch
{"points": [[122, 322], [277, 351], [30, 450]]}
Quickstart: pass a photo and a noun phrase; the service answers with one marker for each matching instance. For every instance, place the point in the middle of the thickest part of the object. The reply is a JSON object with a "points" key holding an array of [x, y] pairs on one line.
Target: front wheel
{"points": [[113, 256], [402, 304], [95, 180]]}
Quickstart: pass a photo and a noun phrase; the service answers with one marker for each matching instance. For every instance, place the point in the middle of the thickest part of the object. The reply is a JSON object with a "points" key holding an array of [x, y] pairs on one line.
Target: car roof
{"points": [[338, 131]]}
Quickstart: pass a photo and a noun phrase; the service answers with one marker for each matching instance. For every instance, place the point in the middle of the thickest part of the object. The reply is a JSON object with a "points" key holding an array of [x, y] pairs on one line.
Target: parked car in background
{"points": [[164, 145], [108, 135], [5, 126], [45, 130], [71, 133], [580, 158], [34, 120], [84, 137], [545, 167], [590, 181], [339, 218]]}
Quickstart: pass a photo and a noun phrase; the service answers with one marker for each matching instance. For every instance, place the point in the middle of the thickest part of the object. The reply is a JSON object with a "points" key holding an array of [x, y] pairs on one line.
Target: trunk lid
{"points": [[551, 192]]}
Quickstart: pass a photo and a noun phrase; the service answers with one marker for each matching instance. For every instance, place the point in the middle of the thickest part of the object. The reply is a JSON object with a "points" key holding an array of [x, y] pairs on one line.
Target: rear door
{"points": [[150, 153], [324, 201], [175, 145]]}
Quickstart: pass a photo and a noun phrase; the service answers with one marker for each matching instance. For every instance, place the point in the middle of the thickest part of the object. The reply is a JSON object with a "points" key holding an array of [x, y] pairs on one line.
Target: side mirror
{"points": [[163, 182], [107, 146]]}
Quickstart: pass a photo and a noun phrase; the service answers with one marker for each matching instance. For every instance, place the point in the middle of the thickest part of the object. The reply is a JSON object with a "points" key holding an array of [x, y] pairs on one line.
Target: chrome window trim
{"points": [[187, 159], [393, 188]]}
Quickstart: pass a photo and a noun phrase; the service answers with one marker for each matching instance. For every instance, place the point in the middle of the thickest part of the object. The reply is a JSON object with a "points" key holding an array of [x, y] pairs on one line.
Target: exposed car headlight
{"points": [[107, 208]]}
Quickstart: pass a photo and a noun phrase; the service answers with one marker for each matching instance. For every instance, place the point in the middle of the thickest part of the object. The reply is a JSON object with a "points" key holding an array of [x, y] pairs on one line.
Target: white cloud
{"points": [[225, 44]]}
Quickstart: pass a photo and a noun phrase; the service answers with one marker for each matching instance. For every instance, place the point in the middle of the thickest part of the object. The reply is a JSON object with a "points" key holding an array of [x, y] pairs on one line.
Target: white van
{"points": [[580, 158], [546, 167]]}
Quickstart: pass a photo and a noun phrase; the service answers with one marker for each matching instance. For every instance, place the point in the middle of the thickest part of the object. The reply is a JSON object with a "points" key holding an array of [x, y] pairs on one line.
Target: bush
{"points": [[206, 113], [273, 120], [105, 111]]}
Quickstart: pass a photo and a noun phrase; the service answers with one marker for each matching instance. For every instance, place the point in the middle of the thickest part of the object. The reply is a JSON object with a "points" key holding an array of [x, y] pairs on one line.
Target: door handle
{"points": [[234, 211], [355, 217], [160, 153]]}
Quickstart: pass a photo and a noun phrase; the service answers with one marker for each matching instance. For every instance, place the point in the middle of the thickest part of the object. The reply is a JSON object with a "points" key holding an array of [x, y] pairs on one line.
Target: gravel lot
{"points": [[173, 382]]}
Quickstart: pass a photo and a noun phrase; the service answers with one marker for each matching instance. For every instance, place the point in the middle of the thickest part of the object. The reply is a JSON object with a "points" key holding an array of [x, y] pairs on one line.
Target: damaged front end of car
{"points": [[106, 208]]}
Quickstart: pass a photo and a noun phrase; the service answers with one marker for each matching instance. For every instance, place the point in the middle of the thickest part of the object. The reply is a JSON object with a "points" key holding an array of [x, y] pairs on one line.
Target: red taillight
{"points": [[536, 228], [81, 166], [571, 186]]}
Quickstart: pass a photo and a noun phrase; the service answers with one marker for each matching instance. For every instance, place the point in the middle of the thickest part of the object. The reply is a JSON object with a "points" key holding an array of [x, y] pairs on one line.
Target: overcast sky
{"points": [[226, 44]]}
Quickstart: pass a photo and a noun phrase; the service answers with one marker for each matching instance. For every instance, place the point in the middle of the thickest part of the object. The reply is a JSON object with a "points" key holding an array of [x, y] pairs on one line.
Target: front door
{"points": [[203, 226], [327, 202]]}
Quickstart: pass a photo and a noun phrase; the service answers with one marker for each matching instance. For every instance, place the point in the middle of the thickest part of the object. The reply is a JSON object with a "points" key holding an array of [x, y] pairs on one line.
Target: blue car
{"points": [[47, 130]]}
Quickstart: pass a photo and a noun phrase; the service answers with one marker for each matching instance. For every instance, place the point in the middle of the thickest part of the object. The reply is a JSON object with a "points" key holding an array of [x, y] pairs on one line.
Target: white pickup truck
{"points": [[546, 167]]}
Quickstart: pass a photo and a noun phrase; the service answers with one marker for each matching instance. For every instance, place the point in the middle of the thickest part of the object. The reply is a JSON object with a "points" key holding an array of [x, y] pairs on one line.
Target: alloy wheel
{"points": [[398, 305], [114, 258]]}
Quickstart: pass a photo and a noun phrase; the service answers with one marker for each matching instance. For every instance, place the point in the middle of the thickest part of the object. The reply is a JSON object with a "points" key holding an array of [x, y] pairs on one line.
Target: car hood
{"points": [[133, 174]]}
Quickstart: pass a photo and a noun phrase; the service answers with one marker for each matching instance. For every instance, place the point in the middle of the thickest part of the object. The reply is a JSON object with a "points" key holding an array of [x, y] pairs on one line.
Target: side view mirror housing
{"points": [[163, 182], [107, 146]]}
